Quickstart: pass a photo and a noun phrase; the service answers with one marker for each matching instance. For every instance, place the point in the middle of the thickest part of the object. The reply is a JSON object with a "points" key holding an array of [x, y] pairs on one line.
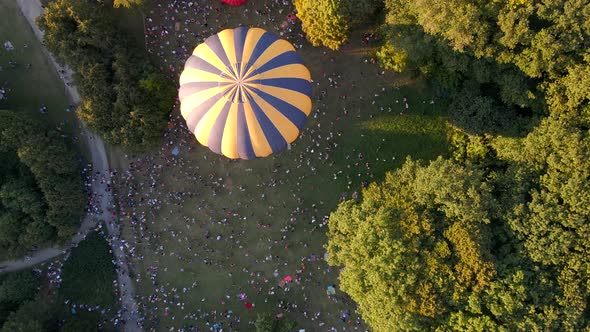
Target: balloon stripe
{"points": [[260, 144], [287, 58], [230, 133], [263, 44], [293, 71], [302, 102], [190, 75], [197, 113], [226, 39], [199, 63], [295, 84], [216, 46], [273, 51], [196, 87], [272, 134], [239, 39], [243, 140], [206, 54], [251, 41], [282, 124], [203, 129], [191, 102], [294, 114], [216, 130]]}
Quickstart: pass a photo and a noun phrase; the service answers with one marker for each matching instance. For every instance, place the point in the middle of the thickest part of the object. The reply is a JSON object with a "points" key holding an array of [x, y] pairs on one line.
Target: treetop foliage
{"points": [[15, 289], [108, 73], [327, 22], [41, 192], [127, 3], [494, 238]]}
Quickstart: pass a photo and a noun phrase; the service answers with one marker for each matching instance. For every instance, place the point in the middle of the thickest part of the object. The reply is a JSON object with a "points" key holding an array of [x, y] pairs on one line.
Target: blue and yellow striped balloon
{"points": [[245, 93]]}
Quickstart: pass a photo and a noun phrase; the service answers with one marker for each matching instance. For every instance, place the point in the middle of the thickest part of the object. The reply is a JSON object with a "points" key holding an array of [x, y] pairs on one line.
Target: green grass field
{"points": [[268, 212], [29, 89]]}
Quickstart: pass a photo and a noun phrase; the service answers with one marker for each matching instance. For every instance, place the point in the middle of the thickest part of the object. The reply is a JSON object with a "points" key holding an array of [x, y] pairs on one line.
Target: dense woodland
{"points": [[124, 97], [29, 303], [42, 196], [495, 237]]}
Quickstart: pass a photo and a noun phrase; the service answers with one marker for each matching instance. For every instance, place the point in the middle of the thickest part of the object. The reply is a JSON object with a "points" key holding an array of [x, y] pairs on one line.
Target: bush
{"points": [[391, 59], [327, 22]]}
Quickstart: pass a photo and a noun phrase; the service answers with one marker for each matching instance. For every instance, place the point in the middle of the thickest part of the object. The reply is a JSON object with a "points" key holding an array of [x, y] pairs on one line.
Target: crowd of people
{"points": [[176, 227], [53, 270], [177, 26], [181, 219]]}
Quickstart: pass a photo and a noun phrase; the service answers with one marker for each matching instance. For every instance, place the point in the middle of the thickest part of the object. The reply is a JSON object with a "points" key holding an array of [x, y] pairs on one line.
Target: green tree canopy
{"points": [[416, 247], [124, 98], [327, 22], [513, 52], [267, 323], [15, 289], [127, 3], [33, 316], [453, 246], [41, 192]]}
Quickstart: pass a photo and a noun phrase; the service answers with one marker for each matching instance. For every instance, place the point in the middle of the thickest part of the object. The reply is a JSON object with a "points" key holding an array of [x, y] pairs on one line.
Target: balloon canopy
{"points": [[234, 2], [245, 93]]}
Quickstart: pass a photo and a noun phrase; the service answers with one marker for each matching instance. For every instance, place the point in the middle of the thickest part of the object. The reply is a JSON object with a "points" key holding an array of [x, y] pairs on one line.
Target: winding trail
{"points": [[31, 9]]}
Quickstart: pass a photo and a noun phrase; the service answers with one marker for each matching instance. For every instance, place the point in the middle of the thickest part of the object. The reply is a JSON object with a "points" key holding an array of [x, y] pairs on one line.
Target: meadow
{"points": [[33, 82], [205, 229]]}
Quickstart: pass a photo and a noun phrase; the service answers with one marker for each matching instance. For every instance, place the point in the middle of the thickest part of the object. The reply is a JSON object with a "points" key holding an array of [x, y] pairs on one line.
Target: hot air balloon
{"points": [[234, 2], [245, 93]]}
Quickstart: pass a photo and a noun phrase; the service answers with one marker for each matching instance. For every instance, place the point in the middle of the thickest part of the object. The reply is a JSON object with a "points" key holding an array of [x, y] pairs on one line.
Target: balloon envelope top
{"points": [[245, 93]]}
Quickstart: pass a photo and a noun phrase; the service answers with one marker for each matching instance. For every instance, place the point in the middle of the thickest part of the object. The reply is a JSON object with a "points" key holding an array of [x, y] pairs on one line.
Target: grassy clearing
{"points": [[268, 212], [30, 88]]}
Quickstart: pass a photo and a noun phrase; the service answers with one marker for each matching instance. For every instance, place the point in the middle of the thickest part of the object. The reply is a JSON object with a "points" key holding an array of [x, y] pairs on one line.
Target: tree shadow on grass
{"points": [[384, 142]]}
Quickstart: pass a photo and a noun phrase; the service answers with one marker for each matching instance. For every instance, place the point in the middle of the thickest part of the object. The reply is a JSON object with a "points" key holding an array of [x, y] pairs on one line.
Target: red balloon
{"points": [[234, 2]]}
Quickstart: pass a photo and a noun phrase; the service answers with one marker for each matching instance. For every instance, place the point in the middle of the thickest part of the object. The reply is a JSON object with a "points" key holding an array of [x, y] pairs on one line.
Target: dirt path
{"points": [[31, 9]]}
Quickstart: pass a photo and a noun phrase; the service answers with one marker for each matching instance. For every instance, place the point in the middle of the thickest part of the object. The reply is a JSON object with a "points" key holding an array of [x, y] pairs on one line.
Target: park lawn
{"points": [[29, 89], [87, 278], [252, 205]]}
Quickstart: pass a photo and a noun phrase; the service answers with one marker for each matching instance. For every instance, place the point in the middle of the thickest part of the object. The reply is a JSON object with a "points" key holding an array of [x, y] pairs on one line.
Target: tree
{"points": [[513, 52], [481, 114], [41, 193], [551, 206], [267, 323], [327, 22], [473, 245], [127, 3], [264, 323], [416, 247], [77, 325], [109, 72], [15, 289], [33, 316], [18, 287], [77, 32]]}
